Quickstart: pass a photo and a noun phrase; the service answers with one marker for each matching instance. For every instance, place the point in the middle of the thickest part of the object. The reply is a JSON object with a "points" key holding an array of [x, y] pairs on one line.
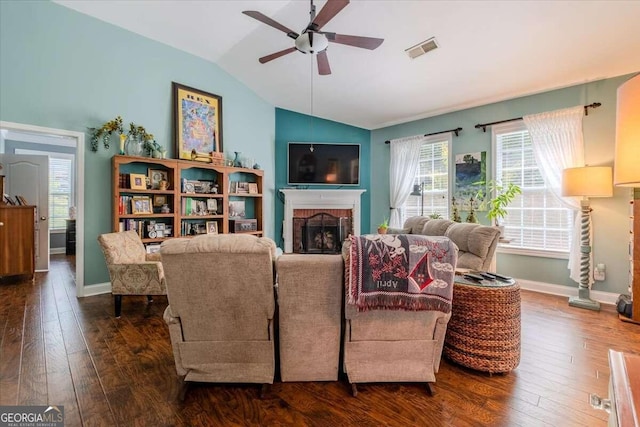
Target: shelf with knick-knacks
{"points": [[184, 197]]}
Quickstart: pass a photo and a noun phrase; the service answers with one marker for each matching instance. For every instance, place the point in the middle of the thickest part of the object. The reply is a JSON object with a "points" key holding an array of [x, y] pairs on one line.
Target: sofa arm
{"points": [[137, 279]]}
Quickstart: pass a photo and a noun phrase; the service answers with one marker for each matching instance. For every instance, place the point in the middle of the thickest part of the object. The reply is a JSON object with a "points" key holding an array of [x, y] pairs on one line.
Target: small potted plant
{"points": [[504, 195], [383, 226]]}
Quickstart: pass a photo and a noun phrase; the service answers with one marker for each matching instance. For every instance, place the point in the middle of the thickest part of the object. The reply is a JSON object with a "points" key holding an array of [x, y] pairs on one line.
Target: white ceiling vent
{"points": [[422, 48]]}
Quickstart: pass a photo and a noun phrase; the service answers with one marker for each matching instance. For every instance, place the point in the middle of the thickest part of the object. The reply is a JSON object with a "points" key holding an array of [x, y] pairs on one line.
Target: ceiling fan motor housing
{"points": [[311, 42]]}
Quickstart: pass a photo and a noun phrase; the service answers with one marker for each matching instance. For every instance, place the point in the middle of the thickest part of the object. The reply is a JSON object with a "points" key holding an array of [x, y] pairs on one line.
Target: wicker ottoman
{"points": [[484, 330]]}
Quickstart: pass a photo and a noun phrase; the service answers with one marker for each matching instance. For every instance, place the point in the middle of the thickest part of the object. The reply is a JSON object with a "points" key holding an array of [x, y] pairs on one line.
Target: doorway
{"points": [[30, 136]]}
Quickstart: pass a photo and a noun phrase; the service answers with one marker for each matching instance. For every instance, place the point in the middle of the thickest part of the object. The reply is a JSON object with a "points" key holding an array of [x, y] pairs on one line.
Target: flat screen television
{"points": [[323, 163]]}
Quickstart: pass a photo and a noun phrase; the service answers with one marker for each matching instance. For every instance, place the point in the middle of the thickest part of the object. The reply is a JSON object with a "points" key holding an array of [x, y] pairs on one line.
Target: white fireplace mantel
{"points": [[318, 199]]}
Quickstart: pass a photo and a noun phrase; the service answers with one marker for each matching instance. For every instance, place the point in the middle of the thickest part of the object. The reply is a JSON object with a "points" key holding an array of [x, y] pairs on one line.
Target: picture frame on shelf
{"points": [[156, 176], [253, 188], [151, 249], [212, 227], [159, 200], [237, 209], [243, 188], [141, 205], [138, 181], [197, 123], [212, 206]]}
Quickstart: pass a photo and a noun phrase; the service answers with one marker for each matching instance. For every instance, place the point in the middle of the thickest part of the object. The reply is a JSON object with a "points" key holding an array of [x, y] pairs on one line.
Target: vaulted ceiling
{"points": [[488, 50]]}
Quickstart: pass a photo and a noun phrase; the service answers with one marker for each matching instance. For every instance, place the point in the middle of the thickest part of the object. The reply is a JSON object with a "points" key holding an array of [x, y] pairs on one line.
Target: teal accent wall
{"points": [[296, 127], [66, 70], [610, 216]]}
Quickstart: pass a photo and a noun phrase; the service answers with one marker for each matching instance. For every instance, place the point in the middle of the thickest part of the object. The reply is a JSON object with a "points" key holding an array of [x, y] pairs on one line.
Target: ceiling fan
{"points": [[312, 40]]}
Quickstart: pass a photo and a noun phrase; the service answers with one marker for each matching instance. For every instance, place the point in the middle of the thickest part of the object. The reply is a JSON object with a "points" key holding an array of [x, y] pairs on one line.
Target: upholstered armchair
{"points": [[221, 308], [132, 271]]}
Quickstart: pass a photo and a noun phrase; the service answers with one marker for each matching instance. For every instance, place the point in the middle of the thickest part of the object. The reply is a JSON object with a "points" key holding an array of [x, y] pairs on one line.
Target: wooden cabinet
{"points": [[17, 240], [195, 200]]}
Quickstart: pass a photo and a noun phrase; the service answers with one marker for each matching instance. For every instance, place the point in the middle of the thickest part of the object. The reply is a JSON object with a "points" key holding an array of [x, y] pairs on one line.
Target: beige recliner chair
{"points": [[383, 345], [221, 307]]}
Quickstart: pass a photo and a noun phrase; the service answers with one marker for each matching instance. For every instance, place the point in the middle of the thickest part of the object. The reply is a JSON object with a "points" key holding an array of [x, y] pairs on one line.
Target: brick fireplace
{"points": [[316, 221]]}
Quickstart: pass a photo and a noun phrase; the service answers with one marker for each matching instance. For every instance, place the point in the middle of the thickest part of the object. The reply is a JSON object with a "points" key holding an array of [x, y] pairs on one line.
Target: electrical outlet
{"points": [[598, 272]]}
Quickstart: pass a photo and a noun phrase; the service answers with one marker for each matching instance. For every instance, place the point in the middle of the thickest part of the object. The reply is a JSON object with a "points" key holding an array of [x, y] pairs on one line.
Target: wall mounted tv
{"points": [[323, 163]]}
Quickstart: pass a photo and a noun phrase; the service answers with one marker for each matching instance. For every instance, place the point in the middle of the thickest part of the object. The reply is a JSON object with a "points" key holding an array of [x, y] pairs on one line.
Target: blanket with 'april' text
{"points": [[401, 272]]}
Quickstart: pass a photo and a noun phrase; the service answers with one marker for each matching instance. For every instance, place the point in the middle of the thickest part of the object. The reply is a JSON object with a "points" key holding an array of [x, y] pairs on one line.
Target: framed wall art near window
{"points": [[138, 181], [197, 123], [141, 205]]}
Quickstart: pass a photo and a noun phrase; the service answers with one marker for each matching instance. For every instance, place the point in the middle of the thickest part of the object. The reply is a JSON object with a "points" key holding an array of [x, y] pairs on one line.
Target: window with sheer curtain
{"points": [[433, 175], [61, 191], [537, 223]]}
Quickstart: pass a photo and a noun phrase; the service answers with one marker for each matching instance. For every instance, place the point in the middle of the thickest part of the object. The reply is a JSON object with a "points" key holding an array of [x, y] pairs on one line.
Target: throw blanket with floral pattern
{"points": [[401, 272]]}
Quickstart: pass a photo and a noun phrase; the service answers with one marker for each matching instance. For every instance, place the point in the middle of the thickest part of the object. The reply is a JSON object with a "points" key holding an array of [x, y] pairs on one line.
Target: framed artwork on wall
{"points": [[197, 123], [470, 176]]}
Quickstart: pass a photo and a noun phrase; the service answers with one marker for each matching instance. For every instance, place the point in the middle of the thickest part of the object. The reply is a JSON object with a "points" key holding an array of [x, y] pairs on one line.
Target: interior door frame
{"points": [[79, 173]]}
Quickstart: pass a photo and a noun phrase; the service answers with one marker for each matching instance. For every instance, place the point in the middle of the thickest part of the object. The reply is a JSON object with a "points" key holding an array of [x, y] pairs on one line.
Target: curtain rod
{"points": [[484, 126], [456, 131]]}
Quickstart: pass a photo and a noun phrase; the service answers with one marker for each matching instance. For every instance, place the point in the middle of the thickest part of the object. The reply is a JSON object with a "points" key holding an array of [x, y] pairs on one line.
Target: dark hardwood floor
{"points": [[59, 350]]}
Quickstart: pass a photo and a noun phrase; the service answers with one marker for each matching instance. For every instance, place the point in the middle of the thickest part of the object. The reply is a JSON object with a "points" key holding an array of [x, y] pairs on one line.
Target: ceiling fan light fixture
{"points": [[311, 42]]}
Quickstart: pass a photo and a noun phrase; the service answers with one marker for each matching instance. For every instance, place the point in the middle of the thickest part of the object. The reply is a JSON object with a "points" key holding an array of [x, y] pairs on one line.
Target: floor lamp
{"points": [[418, 190], [627, 173], [587, 181]]}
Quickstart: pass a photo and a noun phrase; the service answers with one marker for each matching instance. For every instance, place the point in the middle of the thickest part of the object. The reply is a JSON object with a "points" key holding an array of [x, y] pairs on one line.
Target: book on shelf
{"points": [[191, 206]]}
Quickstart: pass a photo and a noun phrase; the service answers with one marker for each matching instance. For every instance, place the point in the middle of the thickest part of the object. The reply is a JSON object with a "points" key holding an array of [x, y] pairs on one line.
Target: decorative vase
{"points": [[382, 230], [236, 159], [134, 146], [123, 139], [156, 154]]}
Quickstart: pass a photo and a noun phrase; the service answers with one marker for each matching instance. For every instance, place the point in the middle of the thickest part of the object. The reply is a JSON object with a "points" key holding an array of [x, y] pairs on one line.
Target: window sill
{"points": [[506, 249]]}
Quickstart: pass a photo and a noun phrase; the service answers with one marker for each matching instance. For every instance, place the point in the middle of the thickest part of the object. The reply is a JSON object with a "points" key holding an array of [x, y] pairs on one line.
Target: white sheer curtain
{"points": [[405, 158], [558, 144]]}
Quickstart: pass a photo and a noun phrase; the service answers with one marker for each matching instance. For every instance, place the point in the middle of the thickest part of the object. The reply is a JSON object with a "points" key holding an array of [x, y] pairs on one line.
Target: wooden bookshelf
{"points": [[190, 198]]}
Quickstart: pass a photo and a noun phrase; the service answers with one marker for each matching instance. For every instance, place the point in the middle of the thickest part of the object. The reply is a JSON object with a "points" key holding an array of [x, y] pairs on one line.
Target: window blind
{"points": [[536, 219], [433, 173]]}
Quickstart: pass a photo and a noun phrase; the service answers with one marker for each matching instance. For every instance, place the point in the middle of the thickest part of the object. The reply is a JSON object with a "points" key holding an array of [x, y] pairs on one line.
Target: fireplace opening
{"points": [[321, 233]]}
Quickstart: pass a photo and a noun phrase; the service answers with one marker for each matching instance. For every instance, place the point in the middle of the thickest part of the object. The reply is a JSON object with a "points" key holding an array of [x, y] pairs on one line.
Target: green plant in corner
{"points": [[435, 215]]}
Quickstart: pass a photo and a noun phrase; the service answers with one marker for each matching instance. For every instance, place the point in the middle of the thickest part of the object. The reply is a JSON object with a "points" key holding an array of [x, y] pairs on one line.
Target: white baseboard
{"points": [[57, 251], [567, 291], [98, 289]]}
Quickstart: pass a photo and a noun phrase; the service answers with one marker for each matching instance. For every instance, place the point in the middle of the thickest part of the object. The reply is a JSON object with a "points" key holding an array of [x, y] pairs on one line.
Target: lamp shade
{"points": [[627, 157], [588, 181], [417, 190]]}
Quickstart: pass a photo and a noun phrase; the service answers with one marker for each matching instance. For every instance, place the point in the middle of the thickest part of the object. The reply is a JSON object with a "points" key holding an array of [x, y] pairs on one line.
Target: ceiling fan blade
{"points": [[266, 20], [276, 55], [357, 41], [323, 63], [330, 9]]}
